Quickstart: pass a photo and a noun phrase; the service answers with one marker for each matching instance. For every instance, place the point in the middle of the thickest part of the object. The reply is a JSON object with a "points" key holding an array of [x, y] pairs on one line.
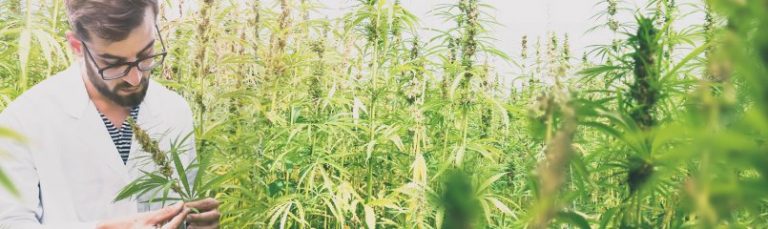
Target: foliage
{"points": [[362, 121]]}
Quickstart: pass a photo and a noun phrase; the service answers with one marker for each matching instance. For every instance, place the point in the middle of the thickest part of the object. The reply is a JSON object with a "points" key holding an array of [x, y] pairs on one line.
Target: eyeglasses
{"points": [[120, 70]]}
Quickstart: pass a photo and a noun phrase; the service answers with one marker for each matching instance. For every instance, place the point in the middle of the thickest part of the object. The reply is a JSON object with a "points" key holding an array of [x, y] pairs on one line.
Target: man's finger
{"points": [[162, 215], [177, 220], [203, 205], [205, 218]]}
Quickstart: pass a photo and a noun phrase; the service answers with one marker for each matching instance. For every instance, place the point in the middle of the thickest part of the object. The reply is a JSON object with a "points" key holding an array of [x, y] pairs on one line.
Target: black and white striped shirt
{"points": [[122, 137]]}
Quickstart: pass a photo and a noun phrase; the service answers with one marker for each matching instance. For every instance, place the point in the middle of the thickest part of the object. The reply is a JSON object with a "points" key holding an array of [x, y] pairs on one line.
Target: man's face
{"points": [[129, 90]]}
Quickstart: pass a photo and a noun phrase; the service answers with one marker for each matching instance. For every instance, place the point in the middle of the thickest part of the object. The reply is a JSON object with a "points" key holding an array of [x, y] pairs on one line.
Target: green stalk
{"points": [[54, 26], [283, 22], [25, 44], [449, 73], [552, 171], [645, 90], [524, 56], [202, 55], [256, 26]]}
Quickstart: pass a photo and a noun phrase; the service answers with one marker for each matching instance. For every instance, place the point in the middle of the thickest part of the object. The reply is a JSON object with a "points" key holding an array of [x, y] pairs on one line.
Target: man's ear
{"points": [[74, 43]]}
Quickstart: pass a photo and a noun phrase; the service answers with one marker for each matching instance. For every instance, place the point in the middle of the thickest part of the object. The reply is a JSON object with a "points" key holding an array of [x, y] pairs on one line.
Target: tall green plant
{"points": [[171, 173]]}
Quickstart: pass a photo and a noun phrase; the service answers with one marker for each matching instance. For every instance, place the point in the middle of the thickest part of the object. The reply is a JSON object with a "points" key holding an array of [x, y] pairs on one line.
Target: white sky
{"points": [[529, 17], [534, 18]]}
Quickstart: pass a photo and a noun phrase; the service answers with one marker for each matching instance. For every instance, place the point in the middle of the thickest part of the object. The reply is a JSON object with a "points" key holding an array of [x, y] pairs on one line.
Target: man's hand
{"points": [[207, 216], [167, 218]]}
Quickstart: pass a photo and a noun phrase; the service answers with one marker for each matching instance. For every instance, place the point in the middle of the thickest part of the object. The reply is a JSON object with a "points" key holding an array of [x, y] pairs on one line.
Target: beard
{"points": [[130, 100]]}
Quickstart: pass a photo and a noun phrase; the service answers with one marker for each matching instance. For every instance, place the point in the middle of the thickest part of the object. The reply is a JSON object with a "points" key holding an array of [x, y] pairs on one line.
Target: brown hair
{"points": [[111, 20]]}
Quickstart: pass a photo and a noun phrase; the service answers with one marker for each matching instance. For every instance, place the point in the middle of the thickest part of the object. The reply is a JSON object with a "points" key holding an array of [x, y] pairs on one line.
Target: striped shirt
{"points": [[121, 137]]}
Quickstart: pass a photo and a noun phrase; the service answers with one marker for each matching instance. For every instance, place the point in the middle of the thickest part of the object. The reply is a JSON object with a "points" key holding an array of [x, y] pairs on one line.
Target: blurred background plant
{"points": [[5, 181]]}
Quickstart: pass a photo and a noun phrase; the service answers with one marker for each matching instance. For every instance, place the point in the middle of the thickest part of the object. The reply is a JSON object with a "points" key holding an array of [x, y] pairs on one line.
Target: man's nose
{"points": [[133, 77]]}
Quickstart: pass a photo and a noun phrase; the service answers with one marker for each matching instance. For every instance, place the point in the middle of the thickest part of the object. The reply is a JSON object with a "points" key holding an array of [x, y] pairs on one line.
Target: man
{"points": [[79, 150]]}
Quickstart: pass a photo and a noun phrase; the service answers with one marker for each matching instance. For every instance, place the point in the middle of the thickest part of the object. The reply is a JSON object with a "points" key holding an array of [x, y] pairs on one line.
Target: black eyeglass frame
{"points": [[130, 64]]}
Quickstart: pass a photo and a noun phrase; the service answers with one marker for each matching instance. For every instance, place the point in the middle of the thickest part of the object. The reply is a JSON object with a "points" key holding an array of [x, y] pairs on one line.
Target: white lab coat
{"points": [[68, 171]]}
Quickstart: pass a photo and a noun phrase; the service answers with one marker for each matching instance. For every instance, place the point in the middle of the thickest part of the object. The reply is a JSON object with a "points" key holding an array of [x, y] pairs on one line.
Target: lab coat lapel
{"points": [[93, 135], [100, 144]]}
